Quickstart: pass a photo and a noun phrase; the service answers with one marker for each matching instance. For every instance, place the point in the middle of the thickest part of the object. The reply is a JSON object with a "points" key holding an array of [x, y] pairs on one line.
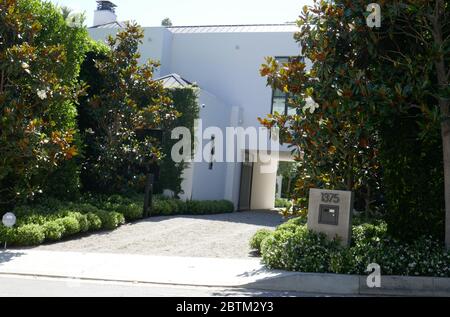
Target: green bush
{"points": [[54, 230], [6, 234], [282, 203], [131, 211], [298, 250], [70, 224], [29, 235], [82, 221], [161, 207], [258, 238], [110, 220], [292, 247], [95, 223], [57, 219]]}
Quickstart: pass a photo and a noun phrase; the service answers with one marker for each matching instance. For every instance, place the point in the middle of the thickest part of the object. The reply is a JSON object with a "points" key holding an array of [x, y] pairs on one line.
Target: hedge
{"points": [[282, 203], [258, 238], [53, 220], [295, 248]]}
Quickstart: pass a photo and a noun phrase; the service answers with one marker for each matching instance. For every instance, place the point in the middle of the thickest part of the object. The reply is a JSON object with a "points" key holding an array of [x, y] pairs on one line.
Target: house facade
{"points": [[224, 62]]}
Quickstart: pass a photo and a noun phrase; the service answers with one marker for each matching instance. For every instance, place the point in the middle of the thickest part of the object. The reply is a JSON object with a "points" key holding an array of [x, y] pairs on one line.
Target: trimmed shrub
{"points": [[29, 235], [282, 203], [298, 250], [82, 221], [292, 247], [95, 223], [162, 207], [6, 234], [110, 220], [120, 219], [258, 238], [131, 211], [70, 224], [54, 230]]}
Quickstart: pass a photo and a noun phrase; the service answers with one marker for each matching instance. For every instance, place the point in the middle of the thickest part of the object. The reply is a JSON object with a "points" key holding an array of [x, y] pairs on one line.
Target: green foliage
{"points": [[29, 235], [70, 224], [166, 22], [293, 247], [258, 238], [58, 219], [131, 212], [95, 223], [82, 221], [413, 180], [370, 109], [110, 220], [185, 102], [54, 230], [123, 101], [167, 207], [333, 102], [298, 250], [39, 62], [282, 203]]}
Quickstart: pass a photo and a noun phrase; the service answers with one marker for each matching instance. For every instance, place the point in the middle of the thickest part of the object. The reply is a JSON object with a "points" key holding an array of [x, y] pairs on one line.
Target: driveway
{"points": [[217, 236]]}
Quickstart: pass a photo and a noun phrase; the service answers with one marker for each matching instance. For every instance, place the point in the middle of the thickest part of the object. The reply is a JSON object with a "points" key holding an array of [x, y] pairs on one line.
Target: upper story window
{"points": [[280, 99]]}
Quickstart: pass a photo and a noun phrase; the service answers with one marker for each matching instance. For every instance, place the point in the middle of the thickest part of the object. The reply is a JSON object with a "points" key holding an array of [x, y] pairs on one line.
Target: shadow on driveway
{"points": [[6, 256]]}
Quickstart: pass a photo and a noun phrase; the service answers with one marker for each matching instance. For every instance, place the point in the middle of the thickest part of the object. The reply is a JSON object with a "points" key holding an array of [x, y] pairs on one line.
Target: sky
{"points": [[196, 12]]}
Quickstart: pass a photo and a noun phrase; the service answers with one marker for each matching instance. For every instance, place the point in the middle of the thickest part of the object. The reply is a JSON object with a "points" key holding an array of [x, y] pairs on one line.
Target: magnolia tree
{"points": [[40, 56], [362, 82], [331, 130], [124, 101]]}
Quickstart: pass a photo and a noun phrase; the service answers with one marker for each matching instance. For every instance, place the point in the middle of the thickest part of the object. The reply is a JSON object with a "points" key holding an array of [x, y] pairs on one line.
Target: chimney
{"points": [[105, 13]]}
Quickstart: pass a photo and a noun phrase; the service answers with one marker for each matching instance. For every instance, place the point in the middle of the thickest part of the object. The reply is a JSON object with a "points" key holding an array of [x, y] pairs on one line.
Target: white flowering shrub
{"points": [[293, 247]]}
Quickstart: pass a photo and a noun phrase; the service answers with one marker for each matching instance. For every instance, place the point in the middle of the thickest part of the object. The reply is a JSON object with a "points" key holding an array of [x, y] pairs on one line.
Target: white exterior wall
{"points": [[213, 61], [226, 68], [209, 184]]}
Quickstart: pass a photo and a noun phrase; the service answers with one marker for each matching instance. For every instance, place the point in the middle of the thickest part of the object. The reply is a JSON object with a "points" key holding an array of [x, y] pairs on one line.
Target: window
{"points": [[280, 99]]}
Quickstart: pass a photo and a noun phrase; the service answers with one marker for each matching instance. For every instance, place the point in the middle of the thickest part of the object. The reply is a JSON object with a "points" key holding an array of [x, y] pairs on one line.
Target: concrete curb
{"points": [[208, 272], [355, 285]]}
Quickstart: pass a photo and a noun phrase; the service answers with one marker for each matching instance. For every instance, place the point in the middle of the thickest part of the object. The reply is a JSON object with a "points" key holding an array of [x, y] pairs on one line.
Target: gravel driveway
{"points": [[219, 236]]}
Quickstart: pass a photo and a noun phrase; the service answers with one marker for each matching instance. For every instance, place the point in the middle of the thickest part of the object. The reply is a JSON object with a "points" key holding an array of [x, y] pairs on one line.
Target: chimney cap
{"points": [[106, 6]]}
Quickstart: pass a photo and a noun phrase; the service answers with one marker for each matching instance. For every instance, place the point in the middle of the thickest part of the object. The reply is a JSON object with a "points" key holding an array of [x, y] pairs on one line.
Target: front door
{"points": [[246, 186]]}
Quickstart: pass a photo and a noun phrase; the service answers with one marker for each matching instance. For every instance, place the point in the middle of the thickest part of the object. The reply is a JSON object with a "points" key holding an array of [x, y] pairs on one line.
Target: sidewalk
{"points": [[212, 272], [137, 268]]}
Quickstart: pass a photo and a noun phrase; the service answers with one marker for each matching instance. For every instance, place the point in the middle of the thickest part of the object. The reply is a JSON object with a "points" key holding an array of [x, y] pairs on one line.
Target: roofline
{"points": [[121, 24], [176, 77], [230, 25]]}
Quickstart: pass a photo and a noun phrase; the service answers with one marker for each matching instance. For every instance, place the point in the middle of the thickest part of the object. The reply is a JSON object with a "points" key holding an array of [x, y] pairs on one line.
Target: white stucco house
{"points": [[224, 62]]}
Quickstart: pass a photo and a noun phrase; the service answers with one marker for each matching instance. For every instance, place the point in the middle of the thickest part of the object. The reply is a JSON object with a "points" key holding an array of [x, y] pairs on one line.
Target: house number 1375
{"points": [[330, 198]]}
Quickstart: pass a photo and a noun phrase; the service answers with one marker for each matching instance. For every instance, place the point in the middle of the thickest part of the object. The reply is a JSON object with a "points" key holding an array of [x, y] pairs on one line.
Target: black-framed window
{"points": [[280, 99]]}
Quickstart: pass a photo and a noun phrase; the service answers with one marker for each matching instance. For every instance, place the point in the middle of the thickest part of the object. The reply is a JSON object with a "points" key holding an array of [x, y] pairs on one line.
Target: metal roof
{"points": [[112, 25], [287, 27], [174, 81]]}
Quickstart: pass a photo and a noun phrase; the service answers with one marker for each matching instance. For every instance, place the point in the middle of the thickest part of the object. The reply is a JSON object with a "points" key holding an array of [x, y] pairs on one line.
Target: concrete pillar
{"points": [[263, 186]]}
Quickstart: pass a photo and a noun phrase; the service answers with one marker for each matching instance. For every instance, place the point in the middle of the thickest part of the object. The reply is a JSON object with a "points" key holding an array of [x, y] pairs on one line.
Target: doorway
{"points": [[245, 194]]}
